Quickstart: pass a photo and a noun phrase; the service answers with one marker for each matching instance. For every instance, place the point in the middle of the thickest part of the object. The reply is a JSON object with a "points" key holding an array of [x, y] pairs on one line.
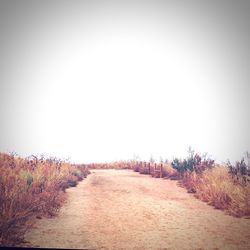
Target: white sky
{"points": [[103, 81]]}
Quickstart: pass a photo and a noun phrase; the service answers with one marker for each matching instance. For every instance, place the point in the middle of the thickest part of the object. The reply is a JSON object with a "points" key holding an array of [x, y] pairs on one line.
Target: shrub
{"points": [[137, 167], [240, 172], [194, 162]]}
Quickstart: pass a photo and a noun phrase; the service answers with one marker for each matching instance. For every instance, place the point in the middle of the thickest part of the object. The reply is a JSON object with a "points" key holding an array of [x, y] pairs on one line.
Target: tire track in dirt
{"points": [[121, 209]]}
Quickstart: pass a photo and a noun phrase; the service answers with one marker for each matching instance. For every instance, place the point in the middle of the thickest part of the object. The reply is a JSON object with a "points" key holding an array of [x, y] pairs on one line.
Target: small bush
{"points": [[240, 172], [137, 166], [194, 162]]}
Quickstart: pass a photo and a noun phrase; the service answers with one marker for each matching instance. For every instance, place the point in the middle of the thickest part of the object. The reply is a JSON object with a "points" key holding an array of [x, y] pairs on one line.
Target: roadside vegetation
{"points": [[225, 187], [35, 187], [113, 165], [29, 188]]}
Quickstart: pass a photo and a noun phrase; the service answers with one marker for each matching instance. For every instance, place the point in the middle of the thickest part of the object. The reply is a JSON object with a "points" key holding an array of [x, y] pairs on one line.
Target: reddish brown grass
{"points": [[30, 188]]}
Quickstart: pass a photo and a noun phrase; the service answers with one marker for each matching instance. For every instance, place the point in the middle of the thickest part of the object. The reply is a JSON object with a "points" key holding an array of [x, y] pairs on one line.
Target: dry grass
{"points": [[113, 165], [30, 188], [170, 172], [213, 185], [217, 188], [154, 169]]}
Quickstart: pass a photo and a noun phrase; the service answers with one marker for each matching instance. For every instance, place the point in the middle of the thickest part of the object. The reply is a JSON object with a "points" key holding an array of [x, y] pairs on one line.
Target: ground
{"points": [[121, 209]]}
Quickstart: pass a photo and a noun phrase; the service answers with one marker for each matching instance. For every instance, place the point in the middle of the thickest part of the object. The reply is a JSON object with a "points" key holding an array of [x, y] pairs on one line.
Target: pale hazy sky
{"points": [[103, 80]]}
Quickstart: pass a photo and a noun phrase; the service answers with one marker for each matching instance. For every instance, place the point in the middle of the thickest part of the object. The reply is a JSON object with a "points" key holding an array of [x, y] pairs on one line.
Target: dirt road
{"points": [[121, 209]]}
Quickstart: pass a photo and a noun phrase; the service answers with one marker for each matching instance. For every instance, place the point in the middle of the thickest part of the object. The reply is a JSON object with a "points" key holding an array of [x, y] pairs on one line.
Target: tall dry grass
{"points": [[217, 188], [170, 172], [210, 183], [30, 188], [113, 165]]}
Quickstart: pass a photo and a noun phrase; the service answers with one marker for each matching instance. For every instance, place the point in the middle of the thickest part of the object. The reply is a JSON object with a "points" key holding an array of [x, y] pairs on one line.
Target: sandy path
{"points": [[121, 209]]}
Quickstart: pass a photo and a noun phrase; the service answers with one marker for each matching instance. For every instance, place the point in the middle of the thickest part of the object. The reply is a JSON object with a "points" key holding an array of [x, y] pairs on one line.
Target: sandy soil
{"points": [[121, 209]]}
